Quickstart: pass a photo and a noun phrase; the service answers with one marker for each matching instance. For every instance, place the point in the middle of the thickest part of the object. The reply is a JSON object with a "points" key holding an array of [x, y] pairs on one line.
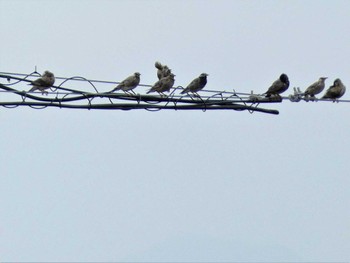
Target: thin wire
{"points": [[61, 97], [172, 94], [76, 79], [116, 82], [43, 102], [241, 99]]}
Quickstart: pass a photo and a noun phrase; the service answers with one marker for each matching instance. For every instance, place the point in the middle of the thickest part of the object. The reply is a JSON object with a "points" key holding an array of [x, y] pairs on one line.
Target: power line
{"points": [[63, 97], [78, 78], [297, 96]]}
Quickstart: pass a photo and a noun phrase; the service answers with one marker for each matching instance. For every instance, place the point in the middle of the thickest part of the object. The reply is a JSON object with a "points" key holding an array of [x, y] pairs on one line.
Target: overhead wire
{"points": [[63, 97]]}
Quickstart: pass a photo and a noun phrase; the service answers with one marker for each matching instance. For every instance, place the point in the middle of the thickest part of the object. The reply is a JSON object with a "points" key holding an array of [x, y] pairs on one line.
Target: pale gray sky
{"points": [[80, 185]]}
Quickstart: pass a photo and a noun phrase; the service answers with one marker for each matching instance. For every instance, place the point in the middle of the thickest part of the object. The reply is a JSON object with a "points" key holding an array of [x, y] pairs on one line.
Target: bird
{"points": [[163, 85], [279, 86], [197, 84], [335, 91], [163, 70], [44, 82], [167, 83], [316, 87], [129, 83]]}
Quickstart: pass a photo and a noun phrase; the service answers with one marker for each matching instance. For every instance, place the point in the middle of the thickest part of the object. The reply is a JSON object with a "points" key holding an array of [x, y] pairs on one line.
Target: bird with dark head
{"points": [[197, 84], [279, 86], [336, 91]]}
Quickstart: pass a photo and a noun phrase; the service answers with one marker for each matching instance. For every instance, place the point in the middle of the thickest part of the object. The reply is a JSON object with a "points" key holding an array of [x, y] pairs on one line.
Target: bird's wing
{"points": [[343, 90], [129, 81], [275, 87], [119, 86], [338, 90], [125, 83], [39, 82], [311, 88], [167, 84], [156, 86], [193, 85], [330, 93]]}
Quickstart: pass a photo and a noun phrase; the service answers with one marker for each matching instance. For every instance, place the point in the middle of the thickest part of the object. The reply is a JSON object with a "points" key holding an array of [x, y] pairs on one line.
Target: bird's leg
{"points": [[191, 96], [43, 91], [196, 94]]}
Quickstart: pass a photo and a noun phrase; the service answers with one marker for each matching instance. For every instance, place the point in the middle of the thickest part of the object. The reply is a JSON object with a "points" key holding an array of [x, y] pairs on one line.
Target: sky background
{"points": [[79, 185]]}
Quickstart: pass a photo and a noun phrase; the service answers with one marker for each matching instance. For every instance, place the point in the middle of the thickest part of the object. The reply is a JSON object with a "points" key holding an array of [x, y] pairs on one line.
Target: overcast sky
{"points": [[79, 185]]}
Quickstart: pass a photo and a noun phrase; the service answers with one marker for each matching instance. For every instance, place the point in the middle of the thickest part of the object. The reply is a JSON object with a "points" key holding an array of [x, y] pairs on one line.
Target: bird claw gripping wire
{"points": [[297, 96], [308, 98]]}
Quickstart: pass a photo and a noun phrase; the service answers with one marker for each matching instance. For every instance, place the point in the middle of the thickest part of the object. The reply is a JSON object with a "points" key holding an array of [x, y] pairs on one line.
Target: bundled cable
{"points": [[62, 95]]}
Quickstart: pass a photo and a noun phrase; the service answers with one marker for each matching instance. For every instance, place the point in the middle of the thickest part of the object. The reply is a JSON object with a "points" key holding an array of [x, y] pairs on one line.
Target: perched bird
{"points": [[316, 87], [167, 83], [44, 82], [335, 91], [129, 83], [163, 85], [197, 84], [163, 70], [279, 86]]}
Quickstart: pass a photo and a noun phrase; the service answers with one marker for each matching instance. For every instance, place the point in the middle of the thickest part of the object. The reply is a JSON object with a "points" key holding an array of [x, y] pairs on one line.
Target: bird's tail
{"points": [[184, 91], [34, 88], [148, 92], [115, 89]]}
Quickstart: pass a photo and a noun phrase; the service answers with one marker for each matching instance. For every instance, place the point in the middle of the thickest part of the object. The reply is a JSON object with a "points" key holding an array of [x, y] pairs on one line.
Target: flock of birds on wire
{"points": [[166, 80]]}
